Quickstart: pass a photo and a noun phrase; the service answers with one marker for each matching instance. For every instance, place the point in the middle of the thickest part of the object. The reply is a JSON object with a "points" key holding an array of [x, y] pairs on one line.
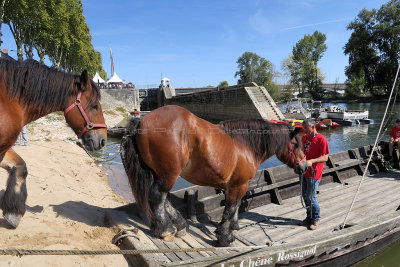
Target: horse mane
{"points": [[34, 84], [264, 138]]}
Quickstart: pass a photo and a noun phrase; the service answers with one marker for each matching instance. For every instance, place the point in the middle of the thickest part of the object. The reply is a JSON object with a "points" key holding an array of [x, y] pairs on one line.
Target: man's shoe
{"points": [[306, 222], [314, 225]]}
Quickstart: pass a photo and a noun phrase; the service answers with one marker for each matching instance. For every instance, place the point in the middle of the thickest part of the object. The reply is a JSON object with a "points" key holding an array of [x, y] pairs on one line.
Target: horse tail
{"points": [[140, 176]]}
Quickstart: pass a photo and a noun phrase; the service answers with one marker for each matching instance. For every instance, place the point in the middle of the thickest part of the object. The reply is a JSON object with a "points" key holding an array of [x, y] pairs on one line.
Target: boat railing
{"points": [[273, 185]]}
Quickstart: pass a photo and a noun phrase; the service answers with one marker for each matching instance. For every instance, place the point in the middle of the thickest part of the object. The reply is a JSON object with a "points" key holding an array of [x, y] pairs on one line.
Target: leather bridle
{"points": [[292, 155], [89, 124]]}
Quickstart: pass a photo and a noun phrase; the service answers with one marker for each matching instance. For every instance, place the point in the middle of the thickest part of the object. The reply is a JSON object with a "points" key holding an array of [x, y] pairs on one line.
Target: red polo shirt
{"points": [[395, 132], [315, 147]]}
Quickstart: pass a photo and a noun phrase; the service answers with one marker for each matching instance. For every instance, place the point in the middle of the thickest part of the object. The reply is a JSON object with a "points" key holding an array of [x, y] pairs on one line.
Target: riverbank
{"points": [[68, 195]]}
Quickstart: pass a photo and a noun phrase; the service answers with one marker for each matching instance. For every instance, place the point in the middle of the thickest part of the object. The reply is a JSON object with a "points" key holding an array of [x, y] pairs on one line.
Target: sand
{"points": [[68, 194]]}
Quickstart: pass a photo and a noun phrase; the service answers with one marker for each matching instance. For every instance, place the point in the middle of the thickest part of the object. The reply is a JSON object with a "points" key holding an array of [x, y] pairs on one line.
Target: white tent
{"points": [[115, 79], [97, 79]]}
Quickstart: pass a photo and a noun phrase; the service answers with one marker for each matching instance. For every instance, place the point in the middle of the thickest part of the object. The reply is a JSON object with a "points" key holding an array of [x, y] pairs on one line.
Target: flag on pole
{"points": [[112, 62]]}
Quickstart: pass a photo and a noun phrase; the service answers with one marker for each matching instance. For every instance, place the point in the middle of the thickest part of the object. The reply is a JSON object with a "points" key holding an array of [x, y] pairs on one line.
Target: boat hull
{"points": [[348, 115]]}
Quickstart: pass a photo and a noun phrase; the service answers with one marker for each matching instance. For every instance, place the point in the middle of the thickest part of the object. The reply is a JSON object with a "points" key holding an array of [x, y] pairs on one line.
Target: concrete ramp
{"points": [[264, 103], [233, 102]]}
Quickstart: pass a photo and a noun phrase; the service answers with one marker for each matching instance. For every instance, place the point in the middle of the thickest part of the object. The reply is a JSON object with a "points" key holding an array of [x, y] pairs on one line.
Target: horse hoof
{"points": [[13, 219], [169, 238], [181, 233], [224, 243], [235, 226]]}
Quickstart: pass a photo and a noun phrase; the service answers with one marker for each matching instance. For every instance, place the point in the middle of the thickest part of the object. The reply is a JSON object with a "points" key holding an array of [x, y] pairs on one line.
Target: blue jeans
{"points": [[310, 198], [24, 137]]}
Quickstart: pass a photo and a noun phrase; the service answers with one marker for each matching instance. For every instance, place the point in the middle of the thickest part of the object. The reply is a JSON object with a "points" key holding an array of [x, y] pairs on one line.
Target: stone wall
{"points": [[222, 104], [128, 97]]}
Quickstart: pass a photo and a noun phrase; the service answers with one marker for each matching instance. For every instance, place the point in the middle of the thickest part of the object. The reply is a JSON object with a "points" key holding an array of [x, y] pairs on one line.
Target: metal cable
{"points": [[372, 152]]}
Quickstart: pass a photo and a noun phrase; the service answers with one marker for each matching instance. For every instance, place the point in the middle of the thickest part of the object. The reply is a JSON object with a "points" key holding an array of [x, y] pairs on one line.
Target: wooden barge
{"points": [[269, 217]]}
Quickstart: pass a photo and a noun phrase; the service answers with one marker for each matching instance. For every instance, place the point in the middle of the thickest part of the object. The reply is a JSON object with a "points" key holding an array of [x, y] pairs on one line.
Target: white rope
{"points": [[372, 152]]}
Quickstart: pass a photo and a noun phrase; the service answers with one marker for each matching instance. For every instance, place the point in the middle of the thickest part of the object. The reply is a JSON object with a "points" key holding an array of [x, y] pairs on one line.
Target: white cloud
{"points": [[314, 24], [260, 23]]}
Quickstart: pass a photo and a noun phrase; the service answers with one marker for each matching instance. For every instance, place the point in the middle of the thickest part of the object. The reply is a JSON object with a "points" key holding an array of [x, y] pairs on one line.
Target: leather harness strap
{"points": [[89, 124]]}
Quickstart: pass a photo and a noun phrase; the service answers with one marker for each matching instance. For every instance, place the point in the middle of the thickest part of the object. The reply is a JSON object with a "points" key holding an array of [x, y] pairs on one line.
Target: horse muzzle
{"points": [[94, 140], [302, 167]]}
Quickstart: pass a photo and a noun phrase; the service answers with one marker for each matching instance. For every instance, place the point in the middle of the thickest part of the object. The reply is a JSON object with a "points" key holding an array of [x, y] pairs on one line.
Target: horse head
{"points": [[294, 157], [84, 114]]}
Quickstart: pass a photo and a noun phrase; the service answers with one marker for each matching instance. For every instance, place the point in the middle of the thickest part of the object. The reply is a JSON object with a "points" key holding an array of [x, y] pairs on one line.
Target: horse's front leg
{"points": [[235, 220], [229, 220], [224, 229], [13, 200], [160, 225]]}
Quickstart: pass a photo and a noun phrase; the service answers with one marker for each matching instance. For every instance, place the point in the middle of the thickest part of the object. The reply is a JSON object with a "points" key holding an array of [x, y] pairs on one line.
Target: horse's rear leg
{"points": [[161, 224], [13, 201], [178, 221]]}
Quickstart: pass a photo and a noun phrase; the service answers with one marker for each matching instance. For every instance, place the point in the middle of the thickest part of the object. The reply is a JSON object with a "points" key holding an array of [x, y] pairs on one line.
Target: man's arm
{"points": [[323, 158]]}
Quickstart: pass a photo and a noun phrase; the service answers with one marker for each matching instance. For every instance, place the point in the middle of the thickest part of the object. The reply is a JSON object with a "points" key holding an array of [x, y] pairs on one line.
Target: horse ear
{"points": [[294, 132], [85, 80]]}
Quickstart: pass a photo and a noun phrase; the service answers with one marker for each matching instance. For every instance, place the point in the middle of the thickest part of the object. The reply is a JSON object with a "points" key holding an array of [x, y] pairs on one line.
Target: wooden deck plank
{"points": [[182, 244], [270, 208], [122, 220], [328, 205], [329, 225], [161, 245], [278, 223], [203, 239], [188, 239], [337, 213]]}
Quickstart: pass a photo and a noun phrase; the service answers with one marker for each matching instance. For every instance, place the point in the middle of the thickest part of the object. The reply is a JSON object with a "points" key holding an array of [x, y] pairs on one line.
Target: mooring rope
{"points": [[372, 152], [22, 252]]}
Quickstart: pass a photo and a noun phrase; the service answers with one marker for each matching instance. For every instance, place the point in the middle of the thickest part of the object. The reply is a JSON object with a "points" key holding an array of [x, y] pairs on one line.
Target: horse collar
{"points": [[89, 125]]}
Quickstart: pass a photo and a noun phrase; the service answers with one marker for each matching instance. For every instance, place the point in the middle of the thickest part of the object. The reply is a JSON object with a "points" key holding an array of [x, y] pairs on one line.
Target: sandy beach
{"points": [[68, 194]]}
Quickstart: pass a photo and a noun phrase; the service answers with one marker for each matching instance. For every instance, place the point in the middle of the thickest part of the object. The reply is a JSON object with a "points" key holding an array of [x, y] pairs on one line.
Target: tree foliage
{"points": [[223, 84], [253, 68], [54, 28], [374, 46], [303, 64]]}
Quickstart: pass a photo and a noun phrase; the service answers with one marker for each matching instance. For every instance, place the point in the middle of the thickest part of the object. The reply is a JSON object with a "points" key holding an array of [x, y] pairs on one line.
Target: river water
{"points": [[339, 139]]}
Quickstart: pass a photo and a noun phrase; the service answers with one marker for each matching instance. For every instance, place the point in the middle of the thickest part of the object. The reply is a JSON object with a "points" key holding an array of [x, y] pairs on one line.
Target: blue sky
{"points": [[197, 43]]}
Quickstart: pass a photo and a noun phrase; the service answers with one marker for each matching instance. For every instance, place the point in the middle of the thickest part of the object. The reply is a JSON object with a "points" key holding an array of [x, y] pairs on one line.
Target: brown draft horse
{"points": [[28, 91], [171, 142]]}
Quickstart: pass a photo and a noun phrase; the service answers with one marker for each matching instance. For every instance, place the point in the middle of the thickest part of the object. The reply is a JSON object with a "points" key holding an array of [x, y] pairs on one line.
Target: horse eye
{"points": [[95, 107]]}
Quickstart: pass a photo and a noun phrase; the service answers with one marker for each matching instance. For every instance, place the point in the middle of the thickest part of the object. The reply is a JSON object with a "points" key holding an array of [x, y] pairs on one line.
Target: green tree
{"points": [[355, 85], [374, 47], [304, 67], [223, 84], [363, 57], [15, 15], [253, 68], [2, 5], [55, 28]]}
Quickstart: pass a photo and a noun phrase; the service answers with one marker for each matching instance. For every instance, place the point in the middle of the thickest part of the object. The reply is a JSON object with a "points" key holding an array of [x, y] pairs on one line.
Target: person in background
{"points": [[394, 138], [316, 150], [24, 137], [136, 113]]}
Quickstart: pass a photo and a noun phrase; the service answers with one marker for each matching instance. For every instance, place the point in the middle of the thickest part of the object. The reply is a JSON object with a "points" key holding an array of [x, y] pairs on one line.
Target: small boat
{"points": [[269, 214], [295, 109], [330, 123], [335, 112], [321, 126], [116, 132]]}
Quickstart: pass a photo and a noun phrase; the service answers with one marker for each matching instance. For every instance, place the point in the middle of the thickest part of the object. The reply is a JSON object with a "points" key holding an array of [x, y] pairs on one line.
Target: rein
{"points": [[89, 124]]}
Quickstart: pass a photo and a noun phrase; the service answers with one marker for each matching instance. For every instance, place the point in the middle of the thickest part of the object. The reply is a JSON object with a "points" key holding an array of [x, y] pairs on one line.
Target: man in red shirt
{"points": [[394, 138], [316, 150]]}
